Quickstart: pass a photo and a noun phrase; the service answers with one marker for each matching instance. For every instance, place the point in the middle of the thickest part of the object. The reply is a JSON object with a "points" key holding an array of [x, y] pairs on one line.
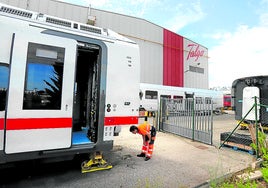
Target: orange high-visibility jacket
{"points": [[144, 129]]}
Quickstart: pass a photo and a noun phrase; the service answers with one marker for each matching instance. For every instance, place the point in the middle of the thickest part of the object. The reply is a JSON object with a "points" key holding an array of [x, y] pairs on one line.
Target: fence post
{"points": [[193, 117], [211, 121], [256, 126], [160, 115], [156, 120]]}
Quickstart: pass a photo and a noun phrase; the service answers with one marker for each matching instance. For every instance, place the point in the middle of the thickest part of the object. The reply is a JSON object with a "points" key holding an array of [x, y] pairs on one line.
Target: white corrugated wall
{"points": [[148, 35], [195, 78], [17, 3]]}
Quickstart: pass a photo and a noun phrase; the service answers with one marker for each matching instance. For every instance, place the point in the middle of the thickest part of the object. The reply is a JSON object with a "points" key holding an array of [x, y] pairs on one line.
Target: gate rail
{"points": [[190, 118]]}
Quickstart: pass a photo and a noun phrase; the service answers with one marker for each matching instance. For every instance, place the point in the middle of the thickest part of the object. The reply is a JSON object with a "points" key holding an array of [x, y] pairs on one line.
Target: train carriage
{"points": [[244, 92], [65, 87], [150, 95]]}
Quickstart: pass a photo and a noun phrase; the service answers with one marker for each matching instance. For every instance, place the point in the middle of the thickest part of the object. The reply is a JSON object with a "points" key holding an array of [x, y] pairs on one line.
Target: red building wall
{"points": [[172, 59]]}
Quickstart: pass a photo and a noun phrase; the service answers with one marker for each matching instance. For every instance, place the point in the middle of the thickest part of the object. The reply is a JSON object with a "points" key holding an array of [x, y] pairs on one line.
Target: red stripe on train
{"points": [[1, 123], [120, 120], [38, 123], [47, 123]]}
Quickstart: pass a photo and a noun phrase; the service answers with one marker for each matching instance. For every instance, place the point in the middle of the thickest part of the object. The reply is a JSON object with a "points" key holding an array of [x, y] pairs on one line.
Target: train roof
{"points": [[251, 80], [186, 89], [67, 25]]}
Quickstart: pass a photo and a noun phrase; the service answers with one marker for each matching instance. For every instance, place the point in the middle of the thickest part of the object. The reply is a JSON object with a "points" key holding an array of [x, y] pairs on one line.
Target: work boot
{"points": [[147, 158], [141, 155]]}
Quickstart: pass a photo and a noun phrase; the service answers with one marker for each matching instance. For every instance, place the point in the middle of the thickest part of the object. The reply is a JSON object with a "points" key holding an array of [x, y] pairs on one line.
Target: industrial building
{"points": [[166, 57]]}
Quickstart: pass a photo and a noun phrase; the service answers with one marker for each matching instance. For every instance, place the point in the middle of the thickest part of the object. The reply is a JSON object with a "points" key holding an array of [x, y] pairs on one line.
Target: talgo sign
{"points": [[194, 52]]}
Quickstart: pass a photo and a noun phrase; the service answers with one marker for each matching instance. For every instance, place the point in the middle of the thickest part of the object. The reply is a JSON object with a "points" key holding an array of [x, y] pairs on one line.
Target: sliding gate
{"points": [[190, 118]]}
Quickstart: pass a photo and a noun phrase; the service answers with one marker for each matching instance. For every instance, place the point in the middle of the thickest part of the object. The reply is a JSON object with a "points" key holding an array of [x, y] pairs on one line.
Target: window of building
{"points": [[4, 72], [196, 69], [44, 73], [151, 94]]}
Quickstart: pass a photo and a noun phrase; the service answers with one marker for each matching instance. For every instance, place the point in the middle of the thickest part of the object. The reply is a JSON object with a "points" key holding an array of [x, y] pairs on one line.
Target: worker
{"points": [[148, 133]]}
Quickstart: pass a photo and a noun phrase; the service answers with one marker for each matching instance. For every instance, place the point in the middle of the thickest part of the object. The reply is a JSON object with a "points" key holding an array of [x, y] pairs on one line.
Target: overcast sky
{"points": [[234, 31]]}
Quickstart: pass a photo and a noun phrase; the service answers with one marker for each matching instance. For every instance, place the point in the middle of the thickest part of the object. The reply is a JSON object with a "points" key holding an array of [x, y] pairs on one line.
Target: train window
{"points": [[198, 100], [189, 95], [4, 71], [43, 83], [151, 94], [227, 98], [166, 96], [208, 100], [178, 99]]}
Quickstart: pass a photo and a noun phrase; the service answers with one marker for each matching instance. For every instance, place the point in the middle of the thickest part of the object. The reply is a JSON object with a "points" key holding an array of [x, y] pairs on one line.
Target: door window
{"points": [[4, 71], [150, 94], [43, 83]]}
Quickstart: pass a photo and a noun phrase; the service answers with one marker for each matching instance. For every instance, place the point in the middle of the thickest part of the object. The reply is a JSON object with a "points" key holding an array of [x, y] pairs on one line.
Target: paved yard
{"points": [[177, 162]]}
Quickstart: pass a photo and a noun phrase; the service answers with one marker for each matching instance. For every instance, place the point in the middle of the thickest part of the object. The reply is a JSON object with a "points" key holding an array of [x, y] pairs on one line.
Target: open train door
{"points": [[40, 94]]}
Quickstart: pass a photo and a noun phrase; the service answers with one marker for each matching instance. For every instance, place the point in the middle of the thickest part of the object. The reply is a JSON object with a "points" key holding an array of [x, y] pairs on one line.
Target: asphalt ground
{"points": [[176, 162]]}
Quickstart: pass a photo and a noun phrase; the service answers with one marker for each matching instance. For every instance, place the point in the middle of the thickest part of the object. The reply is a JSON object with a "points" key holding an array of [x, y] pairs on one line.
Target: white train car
{"points": [[150, 95], [65, 87]]}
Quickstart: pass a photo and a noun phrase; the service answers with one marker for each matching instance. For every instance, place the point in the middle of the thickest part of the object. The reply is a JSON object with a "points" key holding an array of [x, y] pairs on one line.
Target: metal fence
{"points": [[252, 125], [190, 118]]}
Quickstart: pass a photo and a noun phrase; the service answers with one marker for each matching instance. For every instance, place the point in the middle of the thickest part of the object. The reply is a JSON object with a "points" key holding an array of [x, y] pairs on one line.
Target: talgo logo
{"points": [[194, 51]]}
